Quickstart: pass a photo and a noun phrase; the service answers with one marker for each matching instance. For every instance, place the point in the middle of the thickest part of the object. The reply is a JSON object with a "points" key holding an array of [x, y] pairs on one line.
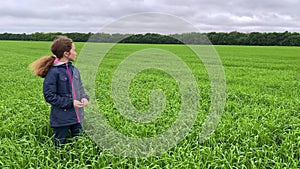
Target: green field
{"points": [[259, 128]]}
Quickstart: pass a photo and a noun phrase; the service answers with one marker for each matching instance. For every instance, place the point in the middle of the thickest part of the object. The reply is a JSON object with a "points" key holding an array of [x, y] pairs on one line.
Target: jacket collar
{"points": [[58, 63]]}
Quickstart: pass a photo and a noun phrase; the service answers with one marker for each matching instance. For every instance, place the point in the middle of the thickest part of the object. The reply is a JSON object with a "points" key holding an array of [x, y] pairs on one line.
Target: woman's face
{"points": [[72, 53]]}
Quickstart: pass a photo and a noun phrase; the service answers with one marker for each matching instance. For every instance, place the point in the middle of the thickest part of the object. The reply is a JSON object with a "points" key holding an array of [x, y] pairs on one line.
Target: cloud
{"points": [[29, 16]]}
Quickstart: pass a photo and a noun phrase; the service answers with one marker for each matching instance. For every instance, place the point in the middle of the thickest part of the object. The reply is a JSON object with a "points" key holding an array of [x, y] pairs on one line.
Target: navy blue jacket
{"points": [[57, 91]]}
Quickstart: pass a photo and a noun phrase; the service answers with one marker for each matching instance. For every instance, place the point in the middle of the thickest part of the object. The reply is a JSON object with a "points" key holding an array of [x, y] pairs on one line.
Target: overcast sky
{"points": [[162, 16]]}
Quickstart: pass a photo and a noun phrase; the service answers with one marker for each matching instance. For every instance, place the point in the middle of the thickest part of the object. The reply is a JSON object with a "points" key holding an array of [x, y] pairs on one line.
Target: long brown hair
{"points": [[60, 45]]}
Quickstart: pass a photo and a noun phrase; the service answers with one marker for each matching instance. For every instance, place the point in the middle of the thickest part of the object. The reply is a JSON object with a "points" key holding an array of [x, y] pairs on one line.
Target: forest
{"points": [[216, 38]]}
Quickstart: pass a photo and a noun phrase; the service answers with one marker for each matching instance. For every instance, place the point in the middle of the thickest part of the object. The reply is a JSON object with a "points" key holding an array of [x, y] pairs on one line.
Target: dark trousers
{"points": [[61, 133]]}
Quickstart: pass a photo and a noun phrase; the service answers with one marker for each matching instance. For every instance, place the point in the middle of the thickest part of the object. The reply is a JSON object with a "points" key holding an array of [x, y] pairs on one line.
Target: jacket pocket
{"points": [[63, 86]]}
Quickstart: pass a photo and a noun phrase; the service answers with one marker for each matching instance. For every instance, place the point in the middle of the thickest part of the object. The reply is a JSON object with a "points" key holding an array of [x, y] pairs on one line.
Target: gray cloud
{"points": [[29, 16]]}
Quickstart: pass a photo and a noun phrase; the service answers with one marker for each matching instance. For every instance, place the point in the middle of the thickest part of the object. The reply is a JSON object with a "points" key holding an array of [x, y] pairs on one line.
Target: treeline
{"points": [[217, 38]]}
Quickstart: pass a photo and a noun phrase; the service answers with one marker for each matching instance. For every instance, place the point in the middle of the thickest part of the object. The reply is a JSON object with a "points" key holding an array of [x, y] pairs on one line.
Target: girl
{"points": [[62, 89]]}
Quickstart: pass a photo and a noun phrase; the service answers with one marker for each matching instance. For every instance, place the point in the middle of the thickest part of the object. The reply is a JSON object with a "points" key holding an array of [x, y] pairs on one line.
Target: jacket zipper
{"points": [[73, 91]]}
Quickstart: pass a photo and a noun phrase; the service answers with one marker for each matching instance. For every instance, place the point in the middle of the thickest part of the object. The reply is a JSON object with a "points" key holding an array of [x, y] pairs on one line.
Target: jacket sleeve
{"points": [[80, 85], [50, 92], [81, 89]]}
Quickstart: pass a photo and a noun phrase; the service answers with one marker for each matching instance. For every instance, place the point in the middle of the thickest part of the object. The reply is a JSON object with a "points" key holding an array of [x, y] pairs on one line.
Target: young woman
{"points": [[62, 89]]}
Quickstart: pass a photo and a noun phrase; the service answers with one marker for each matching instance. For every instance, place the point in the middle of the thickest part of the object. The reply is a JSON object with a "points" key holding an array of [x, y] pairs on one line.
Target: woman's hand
{"points": [[77, 104], [84, 101]]}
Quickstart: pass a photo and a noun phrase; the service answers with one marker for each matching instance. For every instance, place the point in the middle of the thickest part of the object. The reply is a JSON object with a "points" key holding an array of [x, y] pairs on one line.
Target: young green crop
{"points": [[259, 127]]}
